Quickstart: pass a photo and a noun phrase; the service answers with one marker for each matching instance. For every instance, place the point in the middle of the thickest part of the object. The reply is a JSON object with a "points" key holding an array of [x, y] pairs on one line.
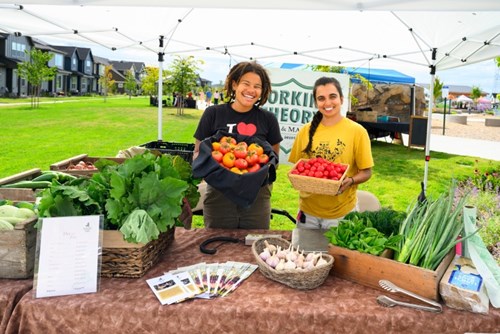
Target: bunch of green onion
{"points": [[431, 230]]}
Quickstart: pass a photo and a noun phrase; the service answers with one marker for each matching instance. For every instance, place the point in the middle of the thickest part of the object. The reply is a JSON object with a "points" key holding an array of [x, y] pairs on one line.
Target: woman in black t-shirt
{"points": [[248, 87]]}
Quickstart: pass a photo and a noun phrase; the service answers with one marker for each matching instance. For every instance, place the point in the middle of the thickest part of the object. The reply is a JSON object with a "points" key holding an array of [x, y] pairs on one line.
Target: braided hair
{"points": [[319, 116], [240, 69]]}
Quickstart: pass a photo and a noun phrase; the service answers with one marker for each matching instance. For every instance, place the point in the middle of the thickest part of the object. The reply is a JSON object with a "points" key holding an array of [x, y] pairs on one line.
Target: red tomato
{"points": [[240, 163], [217, 155], [242, 143], [240, 151], [225, 147], [252, 158], [263, 158], [318, 174], [253, 168], [228, 139]]}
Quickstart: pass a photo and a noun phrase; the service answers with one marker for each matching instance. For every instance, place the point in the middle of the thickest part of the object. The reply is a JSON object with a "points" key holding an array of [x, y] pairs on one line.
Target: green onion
{"points": [[431, 230]]}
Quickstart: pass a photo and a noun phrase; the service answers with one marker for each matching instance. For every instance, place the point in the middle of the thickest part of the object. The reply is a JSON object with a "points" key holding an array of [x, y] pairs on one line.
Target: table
{"points": [[384, 129], [11, 291], [259, 305]]}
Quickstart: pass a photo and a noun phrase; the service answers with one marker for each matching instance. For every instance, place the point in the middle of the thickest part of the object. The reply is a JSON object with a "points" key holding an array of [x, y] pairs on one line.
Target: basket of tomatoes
{"points": [[318, 176], [236, 165]]}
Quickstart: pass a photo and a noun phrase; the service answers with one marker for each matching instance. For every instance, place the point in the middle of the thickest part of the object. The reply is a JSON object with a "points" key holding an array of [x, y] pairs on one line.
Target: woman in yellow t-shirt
{"points": [[335, 138]]}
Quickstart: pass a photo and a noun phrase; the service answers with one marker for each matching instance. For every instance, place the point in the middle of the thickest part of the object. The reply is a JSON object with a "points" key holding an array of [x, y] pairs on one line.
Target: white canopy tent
{"points": [[434, 35]]}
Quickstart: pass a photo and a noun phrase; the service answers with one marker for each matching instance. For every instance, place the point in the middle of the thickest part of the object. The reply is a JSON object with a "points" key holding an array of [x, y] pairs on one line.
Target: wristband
{"points": [[352, 179]]}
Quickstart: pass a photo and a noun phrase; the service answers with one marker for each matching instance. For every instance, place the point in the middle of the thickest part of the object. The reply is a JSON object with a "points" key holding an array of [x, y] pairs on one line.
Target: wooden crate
{"points": [[367, 269], [23, 176], [123, 259], [17, 247], [63, 165]]}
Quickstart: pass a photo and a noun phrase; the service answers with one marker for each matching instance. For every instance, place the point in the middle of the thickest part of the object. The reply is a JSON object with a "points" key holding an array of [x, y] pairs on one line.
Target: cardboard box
{"points": [[367, 269], [17, 247], [63, 165]]}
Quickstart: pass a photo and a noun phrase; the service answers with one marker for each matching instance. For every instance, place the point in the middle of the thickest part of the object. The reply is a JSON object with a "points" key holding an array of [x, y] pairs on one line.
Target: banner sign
{"points": [[292, 101]]}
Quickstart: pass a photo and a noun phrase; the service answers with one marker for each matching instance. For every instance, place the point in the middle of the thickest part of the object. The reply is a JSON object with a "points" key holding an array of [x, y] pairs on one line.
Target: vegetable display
{"points": [[13, 213], [431, 230], [290, 258], [238, 157], [141, 197], [358, 234], [320, 168]]}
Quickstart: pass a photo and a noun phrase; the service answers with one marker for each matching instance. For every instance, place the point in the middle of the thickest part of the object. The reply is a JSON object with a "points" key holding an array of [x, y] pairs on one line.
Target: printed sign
{"points": [[292, 101]]}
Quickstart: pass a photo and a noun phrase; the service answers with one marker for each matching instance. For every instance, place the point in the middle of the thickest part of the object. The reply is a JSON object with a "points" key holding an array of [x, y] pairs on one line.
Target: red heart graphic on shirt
{"points": [[246, 129]]}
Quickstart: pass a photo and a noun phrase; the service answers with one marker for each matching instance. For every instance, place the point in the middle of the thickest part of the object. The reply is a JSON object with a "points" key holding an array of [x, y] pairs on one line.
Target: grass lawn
{"points": [[61, 128]]}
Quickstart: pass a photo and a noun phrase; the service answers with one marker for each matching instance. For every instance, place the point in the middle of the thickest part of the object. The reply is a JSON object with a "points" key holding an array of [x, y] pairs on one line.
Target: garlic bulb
{"points": [[280, 265], [290, 265], [273, 261], [264, 255], [321, 262], [271, 248]]}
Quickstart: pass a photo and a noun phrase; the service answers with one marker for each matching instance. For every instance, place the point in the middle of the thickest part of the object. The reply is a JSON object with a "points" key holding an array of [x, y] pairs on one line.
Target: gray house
{"points": [[12, 52], [79, 63]]}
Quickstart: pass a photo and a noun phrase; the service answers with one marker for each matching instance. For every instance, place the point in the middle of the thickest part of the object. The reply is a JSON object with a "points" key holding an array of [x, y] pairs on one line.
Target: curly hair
{"points": [[319, 116], [240, 69]]}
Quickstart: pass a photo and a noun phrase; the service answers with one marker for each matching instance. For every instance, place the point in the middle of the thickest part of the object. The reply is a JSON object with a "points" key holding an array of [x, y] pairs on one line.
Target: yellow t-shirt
{"points": [[345, 142]]}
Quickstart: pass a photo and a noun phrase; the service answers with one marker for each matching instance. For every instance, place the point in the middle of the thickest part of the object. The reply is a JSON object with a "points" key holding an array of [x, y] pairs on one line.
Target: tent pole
{"points": [[429, 121], [160, 89]]}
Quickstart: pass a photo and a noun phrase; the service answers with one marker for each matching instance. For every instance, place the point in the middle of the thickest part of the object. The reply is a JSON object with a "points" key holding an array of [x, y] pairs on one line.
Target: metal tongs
{"points": [[389, 302]]}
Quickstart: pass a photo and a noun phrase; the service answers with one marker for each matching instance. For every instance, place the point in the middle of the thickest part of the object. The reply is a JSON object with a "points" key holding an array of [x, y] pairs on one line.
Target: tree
{"points": [[149, 84], [36, 70], [438, 90], [475, 93], [130, 83], [106, 80], [184, 73]]}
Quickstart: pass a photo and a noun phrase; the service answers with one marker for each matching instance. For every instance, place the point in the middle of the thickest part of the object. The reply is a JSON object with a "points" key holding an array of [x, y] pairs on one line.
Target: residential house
{"points": [[58, 85], [80, 63], [120, 70], [12, 52], [99, 67]]}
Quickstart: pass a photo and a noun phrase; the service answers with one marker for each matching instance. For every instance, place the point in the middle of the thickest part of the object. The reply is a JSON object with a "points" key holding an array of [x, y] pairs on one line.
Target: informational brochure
{"points": [[201, 281], [168, 289], [68, 256]]}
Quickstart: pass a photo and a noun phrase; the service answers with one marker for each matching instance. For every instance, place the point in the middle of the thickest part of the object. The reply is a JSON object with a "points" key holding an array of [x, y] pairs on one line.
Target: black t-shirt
{"points": [[256, 122]]}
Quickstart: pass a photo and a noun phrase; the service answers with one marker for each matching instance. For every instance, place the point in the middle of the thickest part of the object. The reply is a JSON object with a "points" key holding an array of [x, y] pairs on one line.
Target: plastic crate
{"points": [[184, 150]]}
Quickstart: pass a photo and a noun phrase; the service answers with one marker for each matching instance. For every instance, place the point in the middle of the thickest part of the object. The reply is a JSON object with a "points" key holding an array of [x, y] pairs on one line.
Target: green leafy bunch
{"points": [[142, 197], [359, 234]]}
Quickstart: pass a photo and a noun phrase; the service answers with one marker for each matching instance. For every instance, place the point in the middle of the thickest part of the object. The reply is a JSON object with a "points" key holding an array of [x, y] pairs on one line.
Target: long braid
{"points": [[314, 125]]}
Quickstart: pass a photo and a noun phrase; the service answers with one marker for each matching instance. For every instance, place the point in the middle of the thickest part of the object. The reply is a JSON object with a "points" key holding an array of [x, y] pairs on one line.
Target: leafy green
{"points": [[141, 197], [358, 234], [385, 220]]}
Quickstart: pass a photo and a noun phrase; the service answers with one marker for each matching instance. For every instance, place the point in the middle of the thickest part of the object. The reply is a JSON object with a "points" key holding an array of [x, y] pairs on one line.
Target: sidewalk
{"points": [[485, 149]]}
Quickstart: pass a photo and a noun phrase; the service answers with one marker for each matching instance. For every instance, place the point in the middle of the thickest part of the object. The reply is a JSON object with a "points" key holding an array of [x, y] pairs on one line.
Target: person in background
{"points": [[248, 87], [208, 96], [335, 138], [216, 97]]}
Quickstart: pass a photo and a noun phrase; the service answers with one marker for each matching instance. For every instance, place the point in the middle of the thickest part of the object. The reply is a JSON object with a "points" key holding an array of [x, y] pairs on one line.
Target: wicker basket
{"points": [[315, 185], [122, 259], [298, 279]]}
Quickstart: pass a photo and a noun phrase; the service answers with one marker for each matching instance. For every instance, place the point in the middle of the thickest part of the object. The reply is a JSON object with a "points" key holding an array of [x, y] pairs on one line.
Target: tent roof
{"points": [[327, 33], [371, 74]]}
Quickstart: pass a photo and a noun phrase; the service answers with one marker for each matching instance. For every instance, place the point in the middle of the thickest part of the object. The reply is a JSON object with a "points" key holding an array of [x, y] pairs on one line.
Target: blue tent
{"points": [[373, 75]]}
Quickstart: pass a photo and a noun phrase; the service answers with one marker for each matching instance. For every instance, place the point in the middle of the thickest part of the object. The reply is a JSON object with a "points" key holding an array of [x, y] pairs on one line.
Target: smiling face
{"points": [[247, 92], [329, 103]]}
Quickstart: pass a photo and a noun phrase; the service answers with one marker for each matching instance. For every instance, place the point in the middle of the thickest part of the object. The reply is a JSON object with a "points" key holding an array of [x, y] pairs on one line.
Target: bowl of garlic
{"points": [[280, 261]]}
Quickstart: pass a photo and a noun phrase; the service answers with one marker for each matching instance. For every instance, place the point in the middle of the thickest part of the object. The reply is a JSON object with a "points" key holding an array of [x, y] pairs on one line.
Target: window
{"points": [[59, 60], [59, 83]]}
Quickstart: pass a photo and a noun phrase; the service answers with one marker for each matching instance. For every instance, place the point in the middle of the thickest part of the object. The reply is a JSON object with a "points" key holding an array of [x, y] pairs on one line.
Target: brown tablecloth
{"points": [[259, 305], [11, 291]]}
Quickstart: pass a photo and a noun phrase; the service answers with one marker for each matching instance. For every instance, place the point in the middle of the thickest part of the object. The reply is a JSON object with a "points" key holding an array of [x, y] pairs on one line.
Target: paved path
{"points": [[485, 149]]}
